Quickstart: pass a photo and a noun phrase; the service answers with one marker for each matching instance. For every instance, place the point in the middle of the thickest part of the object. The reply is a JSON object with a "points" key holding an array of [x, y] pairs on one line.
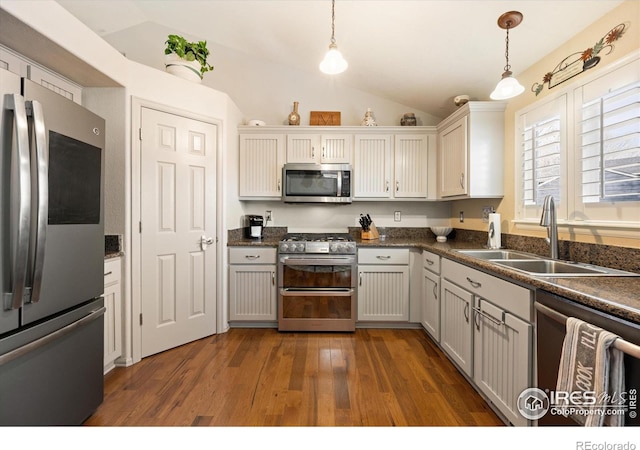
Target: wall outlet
{"points": [[397, 216], [486, 210], [267, 216], [461, 216]]}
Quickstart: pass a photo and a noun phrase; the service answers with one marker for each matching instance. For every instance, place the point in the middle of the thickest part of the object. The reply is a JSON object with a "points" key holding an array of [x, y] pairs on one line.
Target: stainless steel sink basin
{"points": [[539, 266], [554, 268], [488, 254]]}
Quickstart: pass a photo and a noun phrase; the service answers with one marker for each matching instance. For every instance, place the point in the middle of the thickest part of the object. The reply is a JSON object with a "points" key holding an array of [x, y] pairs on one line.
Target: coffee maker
{"points": [[253, 226]]}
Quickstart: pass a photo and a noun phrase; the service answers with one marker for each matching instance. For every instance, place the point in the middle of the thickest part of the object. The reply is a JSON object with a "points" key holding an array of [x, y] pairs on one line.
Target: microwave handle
{"points": [[339, 185], [20, 204], [40, 155]]}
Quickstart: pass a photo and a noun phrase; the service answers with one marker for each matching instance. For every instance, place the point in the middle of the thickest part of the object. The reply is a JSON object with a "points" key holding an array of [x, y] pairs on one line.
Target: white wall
{"points": [[325, 217], [264, 90]]}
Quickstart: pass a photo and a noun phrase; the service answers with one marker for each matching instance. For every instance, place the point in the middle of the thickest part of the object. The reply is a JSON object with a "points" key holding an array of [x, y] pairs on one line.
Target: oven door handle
{"points": [[316, 292], [317, 261]]}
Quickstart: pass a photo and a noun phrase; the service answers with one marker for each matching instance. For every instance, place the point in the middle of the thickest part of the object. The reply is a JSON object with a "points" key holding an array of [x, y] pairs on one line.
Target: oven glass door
{"points": [[317, 290]]}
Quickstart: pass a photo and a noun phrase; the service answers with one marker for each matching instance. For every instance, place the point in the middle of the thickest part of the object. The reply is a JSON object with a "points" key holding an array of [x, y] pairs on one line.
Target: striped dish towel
{"points": [[590, 363]]}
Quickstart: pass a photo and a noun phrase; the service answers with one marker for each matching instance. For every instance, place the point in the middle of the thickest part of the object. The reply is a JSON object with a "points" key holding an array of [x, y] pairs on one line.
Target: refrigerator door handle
{"points": [[40, 186], [20, 201]]}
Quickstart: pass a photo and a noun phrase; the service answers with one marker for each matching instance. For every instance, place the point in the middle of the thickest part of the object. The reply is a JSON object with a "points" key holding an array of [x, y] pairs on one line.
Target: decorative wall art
{"points": [[578, 62], [324, 118]]}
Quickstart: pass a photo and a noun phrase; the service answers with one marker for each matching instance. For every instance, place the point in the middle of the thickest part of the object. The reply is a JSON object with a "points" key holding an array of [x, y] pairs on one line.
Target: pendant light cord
{"points": [[333, 21], [507, 68]]}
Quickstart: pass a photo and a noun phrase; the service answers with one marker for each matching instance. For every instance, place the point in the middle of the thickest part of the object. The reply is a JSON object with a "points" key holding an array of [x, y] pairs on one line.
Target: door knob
{"points": [[205, 242]]}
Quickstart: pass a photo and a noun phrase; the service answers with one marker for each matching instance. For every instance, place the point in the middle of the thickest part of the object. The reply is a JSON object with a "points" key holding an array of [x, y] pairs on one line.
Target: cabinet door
{"points": [[410, 166], [502, 357], [336, 149], [383, 293], [113, 313], [453, 159], [56, 83], [303, 148], [431, 303], [261, 161], [456, 326], [252, 292], [372, 166]]}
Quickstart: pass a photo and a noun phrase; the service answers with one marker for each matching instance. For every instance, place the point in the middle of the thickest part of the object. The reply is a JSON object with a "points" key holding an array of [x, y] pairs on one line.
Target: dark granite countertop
{"points": [[618, 296]]}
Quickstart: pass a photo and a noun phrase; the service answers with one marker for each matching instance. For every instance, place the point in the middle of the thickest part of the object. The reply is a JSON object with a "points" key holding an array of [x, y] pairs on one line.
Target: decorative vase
{"points": [[368, 120], [294, 117], [189, 70], [408, 120]]}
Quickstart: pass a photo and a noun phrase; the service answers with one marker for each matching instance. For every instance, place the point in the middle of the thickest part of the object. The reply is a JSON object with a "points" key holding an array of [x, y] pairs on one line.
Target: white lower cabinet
{"points": [[456, 333], [502, 345], [113, 314], [486, 329], [252, 284], [383, 284], [430, 311]]}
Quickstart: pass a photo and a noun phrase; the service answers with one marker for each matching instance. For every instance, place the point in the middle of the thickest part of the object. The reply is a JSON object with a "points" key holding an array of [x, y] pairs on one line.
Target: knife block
{"points": [[371, 234]]}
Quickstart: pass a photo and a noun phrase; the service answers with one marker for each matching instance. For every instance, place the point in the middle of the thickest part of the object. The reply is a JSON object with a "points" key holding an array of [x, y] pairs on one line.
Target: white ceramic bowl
{"points": [[441, 233]]}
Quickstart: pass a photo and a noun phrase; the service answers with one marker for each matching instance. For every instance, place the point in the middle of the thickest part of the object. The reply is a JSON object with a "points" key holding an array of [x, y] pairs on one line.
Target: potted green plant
{"points": [[186, 59]]}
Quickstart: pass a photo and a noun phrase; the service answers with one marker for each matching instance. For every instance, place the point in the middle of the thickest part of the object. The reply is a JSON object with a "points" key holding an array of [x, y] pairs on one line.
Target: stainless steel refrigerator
{"points": [[51, 256]]}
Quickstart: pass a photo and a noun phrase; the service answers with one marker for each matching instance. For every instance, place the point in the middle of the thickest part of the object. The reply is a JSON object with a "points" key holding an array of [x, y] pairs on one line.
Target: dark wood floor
{"points": [[260, 377]]}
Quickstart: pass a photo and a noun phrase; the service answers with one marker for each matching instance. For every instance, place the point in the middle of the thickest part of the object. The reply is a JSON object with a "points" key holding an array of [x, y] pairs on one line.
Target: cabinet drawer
{"points": [[383, 256], [112, 271], [431, 261], [252, 255], [511, 297]]}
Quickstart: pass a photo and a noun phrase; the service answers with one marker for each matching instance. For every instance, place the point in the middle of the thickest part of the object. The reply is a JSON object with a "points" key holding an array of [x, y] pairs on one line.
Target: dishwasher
{"points": [[552, 312]]}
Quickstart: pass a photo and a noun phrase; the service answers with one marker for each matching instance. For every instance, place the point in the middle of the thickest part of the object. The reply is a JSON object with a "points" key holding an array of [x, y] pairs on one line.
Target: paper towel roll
{"points": [[494, 237]]}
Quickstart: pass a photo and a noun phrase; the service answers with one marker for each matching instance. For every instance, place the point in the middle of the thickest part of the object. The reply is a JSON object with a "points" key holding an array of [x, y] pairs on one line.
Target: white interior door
{"points": [[178, 230]]}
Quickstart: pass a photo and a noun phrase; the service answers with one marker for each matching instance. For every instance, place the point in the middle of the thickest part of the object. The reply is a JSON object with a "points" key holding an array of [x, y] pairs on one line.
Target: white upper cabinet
{"points": [[261, 161], [471, 152], [389, 163], [394, 166], [321, 149]]}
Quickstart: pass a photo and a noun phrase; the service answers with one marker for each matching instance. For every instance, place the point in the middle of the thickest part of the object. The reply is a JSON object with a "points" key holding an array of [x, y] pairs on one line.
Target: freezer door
{"points": [[9, 88]]}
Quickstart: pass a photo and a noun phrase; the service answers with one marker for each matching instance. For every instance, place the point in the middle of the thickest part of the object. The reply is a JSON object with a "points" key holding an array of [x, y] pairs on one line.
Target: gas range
{"points": [[334, 243]]}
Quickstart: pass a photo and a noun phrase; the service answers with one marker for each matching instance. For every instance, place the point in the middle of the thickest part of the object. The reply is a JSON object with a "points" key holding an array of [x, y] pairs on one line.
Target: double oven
{"points": [[317, 282]]}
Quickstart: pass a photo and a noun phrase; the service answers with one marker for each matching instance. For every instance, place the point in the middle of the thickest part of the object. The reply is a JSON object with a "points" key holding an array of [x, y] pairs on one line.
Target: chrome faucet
{"points": [[548, 219]]}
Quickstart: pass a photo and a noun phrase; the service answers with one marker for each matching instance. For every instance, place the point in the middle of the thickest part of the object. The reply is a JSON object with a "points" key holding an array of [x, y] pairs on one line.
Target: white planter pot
{"points": [[189, 70]]}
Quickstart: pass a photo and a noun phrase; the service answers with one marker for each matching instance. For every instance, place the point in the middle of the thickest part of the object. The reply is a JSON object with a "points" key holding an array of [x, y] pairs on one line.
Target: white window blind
{"points": [[609, 138], [541, 161]]}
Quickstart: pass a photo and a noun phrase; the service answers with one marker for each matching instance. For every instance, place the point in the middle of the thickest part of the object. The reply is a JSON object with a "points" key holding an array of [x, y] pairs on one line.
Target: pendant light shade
{"points": [[508, 86], [333, 62]]}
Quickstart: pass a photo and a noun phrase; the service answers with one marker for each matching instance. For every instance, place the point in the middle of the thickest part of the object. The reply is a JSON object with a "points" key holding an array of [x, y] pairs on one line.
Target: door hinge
{"points": [[140, 319], [139, 227], [140, 133]]}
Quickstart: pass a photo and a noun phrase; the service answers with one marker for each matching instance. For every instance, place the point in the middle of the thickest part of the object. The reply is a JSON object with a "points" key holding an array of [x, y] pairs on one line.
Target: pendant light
{"points": [[508, 86], [333, 62]]}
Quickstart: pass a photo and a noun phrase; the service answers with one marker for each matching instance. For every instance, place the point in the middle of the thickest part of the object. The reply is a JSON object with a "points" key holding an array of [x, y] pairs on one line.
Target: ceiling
{"points": [[419, 53]]}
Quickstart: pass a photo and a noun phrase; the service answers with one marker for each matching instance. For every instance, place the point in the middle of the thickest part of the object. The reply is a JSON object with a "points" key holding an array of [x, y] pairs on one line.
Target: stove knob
{"points": [[334, 247], [300, 248], [284, 247]]}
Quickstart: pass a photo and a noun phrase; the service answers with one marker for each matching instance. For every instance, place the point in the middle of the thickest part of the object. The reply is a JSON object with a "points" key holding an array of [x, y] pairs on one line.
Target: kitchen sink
{"points": [[488, 254], [539, 266], [554, 268]]}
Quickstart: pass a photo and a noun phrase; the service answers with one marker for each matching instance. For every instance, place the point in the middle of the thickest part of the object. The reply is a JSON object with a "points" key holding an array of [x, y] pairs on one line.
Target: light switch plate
{"points": [[397, 216]]}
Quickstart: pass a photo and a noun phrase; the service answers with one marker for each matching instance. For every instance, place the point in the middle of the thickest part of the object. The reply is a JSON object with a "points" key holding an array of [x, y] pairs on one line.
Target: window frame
{"points": [[621, 219]]}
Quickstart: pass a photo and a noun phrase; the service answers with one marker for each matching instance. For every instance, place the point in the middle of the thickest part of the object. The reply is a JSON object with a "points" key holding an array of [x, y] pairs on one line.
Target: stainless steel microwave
{"points": [[317, 183]]}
